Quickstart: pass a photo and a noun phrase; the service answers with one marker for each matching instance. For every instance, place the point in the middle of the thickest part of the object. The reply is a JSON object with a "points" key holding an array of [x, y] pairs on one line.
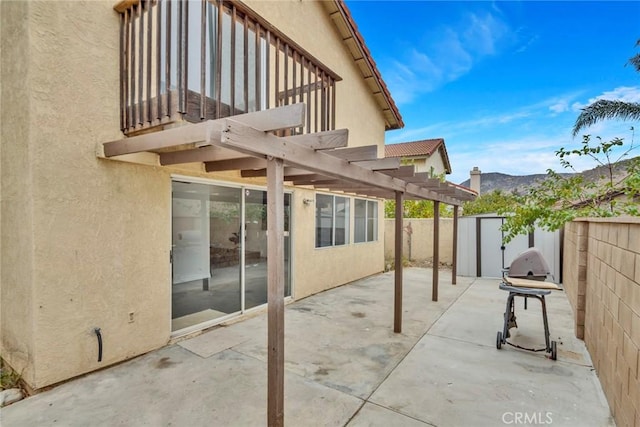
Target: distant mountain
{"points": [[507, 183]]}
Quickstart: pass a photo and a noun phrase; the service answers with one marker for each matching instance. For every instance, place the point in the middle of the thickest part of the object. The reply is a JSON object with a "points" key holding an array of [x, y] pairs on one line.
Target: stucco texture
{"points": [[418, 245], [16, 291], [318, 269], [96, 236]]}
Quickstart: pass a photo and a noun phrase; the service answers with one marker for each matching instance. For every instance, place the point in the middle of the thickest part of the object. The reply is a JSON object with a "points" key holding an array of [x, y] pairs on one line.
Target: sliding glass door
{"points": [[219, 251]]}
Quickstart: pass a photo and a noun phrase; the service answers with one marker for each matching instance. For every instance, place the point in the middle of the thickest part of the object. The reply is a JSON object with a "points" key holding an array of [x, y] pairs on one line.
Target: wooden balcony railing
{"points": [[201, 60]]}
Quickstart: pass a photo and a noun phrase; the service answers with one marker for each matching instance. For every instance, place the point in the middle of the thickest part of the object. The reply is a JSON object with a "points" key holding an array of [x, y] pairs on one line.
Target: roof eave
{"points": [[360, 52]]}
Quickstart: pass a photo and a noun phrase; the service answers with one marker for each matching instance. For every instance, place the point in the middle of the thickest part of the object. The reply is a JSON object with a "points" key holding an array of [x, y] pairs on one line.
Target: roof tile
{"points": [[425, 147]]}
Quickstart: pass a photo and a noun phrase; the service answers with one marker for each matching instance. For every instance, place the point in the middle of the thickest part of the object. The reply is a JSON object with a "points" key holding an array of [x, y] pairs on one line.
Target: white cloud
{"points": [[453, 52], [532, 154], [483, 33], [560, 106], [528, 44], [450, 128], [622, 93]]}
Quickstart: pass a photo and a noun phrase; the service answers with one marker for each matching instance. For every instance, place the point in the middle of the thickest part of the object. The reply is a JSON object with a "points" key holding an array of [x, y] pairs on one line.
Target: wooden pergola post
{"points": [[436, 249], [275, 292], [397, 297], [454, 255]]}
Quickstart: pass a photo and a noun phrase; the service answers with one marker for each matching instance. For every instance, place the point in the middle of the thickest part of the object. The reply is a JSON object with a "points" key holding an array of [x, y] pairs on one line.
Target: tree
{"points": [[416, 209], [608, 109], [558, 199], [492, 202]]}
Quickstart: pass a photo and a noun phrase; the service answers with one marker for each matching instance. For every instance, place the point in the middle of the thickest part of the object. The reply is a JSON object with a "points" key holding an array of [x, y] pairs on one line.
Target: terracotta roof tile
{"points": [[411, 149]]}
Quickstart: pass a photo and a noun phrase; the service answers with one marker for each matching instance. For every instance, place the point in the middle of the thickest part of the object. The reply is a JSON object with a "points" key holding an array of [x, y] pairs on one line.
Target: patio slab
{"points": [[345, 366]]}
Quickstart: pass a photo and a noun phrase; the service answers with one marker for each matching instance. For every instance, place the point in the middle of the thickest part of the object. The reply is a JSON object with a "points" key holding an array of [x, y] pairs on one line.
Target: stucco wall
{"points": [[608, 251], [436, 162], [16, 153], [317, 269], [89, 238], [86, 241], [418, 245]]}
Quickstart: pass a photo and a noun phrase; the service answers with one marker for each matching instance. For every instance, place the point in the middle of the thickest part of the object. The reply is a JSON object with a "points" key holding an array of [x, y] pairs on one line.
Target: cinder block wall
{"points": [[602, 281], [419, 245]]}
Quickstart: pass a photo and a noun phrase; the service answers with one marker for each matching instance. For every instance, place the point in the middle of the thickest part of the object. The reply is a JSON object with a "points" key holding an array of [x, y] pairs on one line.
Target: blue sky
{"points": [[502, 82]]}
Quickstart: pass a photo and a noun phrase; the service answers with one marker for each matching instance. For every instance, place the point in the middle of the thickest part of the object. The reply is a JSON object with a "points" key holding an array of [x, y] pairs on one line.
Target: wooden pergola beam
{"points": [[260, 173], [327, 140], [235, 164], [367, 152], [201, 154], [317, 141], [402, 172], [267, 120], [250, 141], [304, 177], [380, 164]]}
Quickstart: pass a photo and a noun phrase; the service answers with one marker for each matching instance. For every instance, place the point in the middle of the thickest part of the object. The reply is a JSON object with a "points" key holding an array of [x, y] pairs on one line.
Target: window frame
{"points": [[346, 217], [371, 215]]}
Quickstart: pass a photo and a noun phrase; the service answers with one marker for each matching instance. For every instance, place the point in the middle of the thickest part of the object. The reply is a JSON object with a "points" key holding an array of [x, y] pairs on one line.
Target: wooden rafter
{"points": [[253, 142], [235, 164], [367, 152]]}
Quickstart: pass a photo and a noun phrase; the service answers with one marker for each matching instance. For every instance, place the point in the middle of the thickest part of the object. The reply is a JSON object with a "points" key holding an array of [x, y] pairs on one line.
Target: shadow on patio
{"points": [[345, 366]]}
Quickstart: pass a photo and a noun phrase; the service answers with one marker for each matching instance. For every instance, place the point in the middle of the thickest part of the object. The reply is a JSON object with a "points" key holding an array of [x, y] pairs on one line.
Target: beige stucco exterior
{"points": [[86, 241], [427, 164], [417, 239]]}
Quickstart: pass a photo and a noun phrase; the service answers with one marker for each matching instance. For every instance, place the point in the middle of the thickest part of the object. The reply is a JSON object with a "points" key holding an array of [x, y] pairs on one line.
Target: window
{"points": [[366, 221], [332, 220]]}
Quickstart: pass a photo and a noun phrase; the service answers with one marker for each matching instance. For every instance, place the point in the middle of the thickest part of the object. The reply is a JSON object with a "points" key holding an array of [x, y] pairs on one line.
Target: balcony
{"points": [[200, 60]]}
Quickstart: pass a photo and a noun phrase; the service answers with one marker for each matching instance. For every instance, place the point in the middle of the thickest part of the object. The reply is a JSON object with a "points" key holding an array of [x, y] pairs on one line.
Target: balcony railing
{"points": [[199, 60]]}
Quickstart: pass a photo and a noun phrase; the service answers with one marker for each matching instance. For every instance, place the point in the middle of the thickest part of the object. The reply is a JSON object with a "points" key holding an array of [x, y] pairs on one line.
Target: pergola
{"points": [[247, 143]]}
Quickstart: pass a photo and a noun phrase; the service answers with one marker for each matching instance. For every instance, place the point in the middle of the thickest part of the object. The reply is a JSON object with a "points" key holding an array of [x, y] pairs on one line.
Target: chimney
{"points": [[474, 179]]}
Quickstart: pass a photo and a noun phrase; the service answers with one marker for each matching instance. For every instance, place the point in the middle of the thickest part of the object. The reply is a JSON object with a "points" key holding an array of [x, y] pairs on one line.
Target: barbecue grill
{"points": [[525, 278], [529, 265]]}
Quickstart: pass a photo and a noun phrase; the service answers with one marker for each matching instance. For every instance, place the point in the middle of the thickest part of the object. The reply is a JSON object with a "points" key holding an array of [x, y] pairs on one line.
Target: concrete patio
{"points": [[345, 366]]}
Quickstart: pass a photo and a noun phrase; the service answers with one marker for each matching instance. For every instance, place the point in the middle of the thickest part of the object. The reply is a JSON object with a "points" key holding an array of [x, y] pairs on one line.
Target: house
{"points": [[133, 212], [427, 155]]}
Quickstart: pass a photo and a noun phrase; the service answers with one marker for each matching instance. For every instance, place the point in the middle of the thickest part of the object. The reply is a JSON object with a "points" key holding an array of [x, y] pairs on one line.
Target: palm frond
{"points": [[635, 62], [606, 109]]}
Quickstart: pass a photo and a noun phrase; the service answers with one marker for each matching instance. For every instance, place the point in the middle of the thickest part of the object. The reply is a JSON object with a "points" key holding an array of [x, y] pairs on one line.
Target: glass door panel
{"points": [[256, 247], [226, 248], [220, 267], [206, 253], [255, 254]]}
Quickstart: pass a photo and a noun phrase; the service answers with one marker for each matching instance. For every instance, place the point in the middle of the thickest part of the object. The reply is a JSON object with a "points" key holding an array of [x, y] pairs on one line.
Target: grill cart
{"points": [[525, 279]]}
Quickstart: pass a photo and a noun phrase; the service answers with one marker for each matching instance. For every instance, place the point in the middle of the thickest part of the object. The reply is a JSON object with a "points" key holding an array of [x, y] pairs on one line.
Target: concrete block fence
{"points": [[602, 281]]}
